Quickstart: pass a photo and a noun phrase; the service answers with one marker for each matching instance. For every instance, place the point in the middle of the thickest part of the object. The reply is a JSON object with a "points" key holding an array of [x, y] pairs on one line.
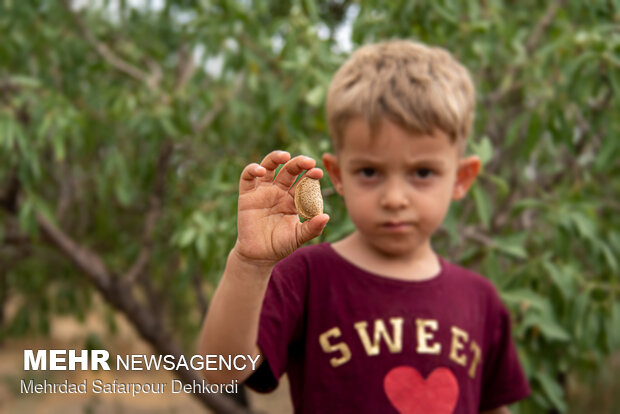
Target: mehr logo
{"points": [[65, 360]]}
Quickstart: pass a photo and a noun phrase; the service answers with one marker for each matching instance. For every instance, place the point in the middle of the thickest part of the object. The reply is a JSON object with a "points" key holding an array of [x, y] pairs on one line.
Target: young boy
{"points": [[376, 322]]}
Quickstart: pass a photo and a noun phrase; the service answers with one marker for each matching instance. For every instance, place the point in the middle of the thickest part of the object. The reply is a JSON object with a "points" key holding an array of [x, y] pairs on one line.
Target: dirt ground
{"points": [[66, 333]]}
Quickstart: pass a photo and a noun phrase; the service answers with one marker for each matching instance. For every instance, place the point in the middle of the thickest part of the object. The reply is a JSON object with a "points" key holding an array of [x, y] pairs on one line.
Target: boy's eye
{"points": [[367, 172], [423, 173]]}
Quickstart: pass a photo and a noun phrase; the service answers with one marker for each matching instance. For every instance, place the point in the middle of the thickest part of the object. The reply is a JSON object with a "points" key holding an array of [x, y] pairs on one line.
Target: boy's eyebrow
{"points": [[362, 160], [437, 161]]}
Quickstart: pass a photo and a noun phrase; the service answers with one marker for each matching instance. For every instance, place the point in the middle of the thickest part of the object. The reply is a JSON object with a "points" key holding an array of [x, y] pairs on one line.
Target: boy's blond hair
{"points": [[419, 87]]}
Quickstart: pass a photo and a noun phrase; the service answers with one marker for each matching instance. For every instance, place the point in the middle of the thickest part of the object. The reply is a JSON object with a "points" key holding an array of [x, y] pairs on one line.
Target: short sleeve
{"points": [[503, 379], [281, 321]]}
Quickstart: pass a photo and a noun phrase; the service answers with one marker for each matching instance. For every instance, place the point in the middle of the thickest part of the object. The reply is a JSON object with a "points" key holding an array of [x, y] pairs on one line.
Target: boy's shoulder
{"points": [[466, 275], [471, 285]]}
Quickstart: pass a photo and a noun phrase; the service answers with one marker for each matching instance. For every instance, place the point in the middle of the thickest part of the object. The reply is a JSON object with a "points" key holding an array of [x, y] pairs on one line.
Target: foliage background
{"points": [[124, 126]]}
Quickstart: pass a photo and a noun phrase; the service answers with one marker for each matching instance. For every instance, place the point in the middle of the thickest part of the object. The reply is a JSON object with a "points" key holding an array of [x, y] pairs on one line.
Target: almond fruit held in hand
{"points": [[308, 199]]}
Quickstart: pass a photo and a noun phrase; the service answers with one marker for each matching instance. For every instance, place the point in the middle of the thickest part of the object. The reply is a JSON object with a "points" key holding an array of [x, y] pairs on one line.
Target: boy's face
{"points": [[398, 186]]}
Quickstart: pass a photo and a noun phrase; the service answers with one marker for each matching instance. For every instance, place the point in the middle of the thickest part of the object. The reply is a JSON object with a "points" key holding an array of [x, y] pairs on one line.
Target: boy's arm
{"points": [[231, 324], [268, 229]]}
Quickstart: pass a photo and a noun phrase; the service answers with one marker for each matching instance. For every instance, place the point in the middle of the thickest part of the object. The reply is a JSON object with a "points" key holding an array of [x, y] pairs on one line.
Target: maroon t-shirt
{"points": [[356, 342]]}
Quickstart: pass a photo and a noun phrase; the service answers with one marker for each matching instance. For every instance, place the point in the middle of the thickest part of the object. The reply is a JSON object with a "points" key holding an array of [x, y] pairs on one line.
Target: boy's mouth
{"points": [[396, 225]]}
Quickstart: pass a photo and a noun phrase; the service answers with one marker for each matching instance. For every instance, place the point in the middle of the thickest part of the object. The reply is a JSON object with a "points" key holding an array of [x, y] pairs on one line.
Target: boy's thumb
{"points": [[313, 227]]}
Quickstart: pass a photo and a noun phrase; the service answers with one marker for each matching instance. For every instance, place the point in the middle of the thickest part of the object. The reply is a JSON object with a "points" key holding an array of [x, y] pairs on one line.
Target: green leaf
{"points": [[168, 126], [312, 9], [27, 218], [608, 254], [444, 12], [552, 390], [59, 149], [512, 245], [613, 326], [483, 205], [526, 203], [450, 224], [500, 183], [483, 149], [25, 81], [202, 245], [316, 96], [525, 299], [6, 137], [585, 226], [122, 192], [187, 237], [549, 329], [563, 278]]}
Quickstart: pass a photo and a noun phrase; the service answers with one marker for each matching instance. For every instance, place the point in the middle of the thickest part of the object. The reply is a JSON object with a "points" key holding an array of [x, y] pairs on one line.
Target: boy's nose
{"points": [[394, 196]]}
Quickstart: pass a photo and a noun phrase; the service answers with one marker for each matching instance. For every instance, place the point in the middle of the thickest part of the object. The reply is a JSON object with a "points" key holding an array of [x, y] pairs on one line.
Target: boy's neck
{"points": [[421, 264]]}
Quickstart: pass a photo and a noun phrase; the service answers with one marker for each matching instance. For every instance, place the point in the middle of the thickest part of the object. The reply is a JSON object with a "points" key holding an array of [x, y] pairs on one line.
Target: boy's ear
{"points": [[330, 161], [468, 170]]}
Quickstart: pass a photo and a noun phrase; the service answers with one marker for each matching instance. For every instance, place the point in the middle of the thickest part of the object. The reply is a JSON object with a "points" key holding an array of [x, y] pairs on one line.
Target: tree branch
{"points": [[185, 68], [201, 298], [531, 44], [473, 233], [120, 296], [66, 183], [543, 25], [83, 258], [152, 215], [114, 60]]}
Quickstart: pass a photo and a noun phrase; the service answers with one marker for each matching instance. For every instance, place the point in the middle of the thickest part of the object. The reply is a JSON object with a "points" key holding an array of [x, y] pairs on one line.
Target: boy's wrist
{"points": [[249, 266]]}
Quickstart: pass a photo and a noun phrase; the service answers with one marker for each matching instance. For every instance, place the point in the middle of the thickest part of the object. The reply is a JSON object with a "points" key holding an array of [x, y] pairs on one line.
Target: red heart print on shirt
{"points": [[409, 393]]}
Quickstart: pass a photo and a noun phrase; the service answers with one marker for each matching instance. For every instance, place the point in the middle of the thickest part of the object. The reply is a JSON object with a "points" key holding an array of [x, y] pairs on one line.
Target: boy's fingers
{"points": [[248, 177], [289, 172], [271, 162], [315, 173], [312, 228]]}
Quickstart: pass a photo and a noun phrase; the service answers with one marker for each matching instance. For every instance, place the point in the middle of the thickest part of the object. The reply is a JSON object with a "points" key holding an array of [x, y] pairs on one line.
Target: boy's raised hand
{"points": [[268, 228]]}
